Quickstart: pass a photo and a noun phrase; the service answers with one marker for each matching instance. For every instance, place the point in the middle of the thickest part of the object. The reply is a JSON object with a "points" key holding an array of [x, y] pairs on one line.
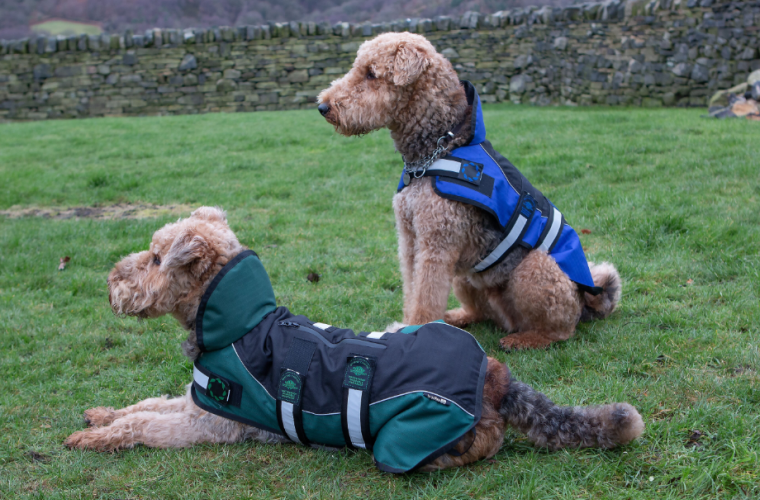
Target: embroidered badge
{"points": [[290, 387], [358, 374], [218, 389], [471, 171]]}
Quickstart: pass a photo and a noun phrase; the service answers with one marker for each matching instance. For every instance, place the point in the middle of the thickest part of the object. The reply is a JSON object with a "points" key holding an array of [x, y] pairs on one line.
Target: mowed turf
{"points": [[669, 198]]}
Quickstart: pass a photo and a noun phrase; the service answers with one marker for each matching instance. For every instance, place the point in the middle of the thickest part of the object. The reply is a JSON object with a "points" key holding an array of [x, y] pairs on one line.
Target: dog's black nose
{"points": [[323, 108]]}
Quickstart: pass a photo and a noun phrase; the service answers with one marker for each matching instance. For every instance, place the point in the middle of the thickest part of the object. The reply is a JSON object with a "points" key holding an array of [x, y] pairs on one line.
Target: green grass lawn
{"points": [[670, 198]]}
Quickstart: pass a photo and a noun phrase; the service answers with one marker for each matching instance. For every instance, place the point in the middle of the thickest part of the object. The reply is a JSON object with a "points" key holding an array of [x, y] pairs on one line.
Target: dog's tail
{"points": [[551, 426], [600, 306]]}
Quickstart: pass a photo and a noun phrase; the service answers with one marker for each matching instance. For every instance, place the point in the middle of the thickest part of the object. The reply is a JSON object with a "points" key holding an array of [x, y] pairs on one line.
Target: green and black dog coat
{"points": [[407, 396]]}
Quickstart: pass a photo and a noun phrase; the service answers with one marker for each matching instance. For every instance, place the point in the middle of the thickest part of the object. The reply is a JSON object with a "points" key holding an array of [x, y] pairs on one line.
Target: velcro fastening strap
{"points": [[354, 415], [290, 391], [514, 232], [465, 170], [222, 390]]}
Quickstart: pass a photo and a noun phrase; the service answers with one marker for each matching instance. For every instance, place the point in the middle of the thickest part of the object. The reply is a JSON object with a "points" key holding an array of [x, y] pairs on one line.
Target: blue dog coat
{"points": [[478, 175], [408, 396]]}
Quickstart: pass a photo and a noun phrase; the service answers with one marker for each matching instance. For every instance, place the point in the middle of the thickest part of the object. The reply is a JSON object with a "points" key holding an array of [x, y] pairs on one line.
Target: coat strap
{"points": [[222, 390], [354, 415], [513, 233], [289, 395], [552, 231]]}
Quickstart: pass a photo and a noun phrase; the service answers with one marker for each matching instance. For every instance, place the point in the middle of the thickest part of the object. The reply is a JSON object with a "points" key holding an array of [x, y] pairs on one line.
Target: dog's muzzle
{"points": [[324, 108]]}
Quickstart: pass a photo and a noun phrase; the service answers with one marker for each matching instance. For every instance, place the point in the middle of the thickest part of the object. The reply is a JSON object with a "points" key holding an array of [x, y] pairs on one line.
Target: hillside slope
{"points": [[118, 15]]}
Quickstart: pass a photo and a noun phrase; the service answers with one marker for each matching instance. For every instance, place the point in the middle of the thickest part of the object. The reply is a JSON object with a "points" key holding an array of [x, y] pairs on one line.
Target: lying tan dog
{"points": [[465, 215], [263, 373]]}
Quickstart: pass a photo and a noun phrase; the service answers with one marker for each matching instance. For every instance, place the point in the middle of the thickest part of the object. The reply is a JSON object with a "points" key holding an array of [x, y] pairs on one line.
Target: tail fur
{"points": [[600, 306], [551, 426]]}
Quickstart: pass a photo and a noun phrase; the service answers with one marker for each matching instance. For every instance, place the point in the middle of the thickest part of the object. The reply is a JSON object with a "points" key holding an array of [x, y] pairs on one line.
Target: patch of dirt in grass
{"points": [[109, 212]]}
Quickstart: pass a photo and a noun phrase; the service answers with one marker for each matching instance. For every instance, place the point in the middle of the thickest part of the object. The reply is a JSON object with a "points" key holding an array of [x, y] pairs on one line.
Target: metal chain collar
{"points": [[418, 168]]}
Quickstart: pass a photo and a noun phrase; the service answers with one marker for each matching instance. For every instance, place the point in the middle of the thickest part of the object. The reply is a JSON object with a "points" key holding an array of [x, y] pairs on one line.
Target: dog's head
{"points": [[390, 72], [170, 277]]}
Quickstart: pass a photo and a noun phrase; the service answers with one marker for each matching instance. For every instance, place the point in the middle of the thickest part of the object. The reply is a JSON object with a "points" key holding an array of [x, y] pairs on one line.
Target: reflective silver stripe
{"points": [[447, 165], [200, 378], [354, 417], [553, 231], [505, 245], [375, 335], [322, 326], [287, 421]]}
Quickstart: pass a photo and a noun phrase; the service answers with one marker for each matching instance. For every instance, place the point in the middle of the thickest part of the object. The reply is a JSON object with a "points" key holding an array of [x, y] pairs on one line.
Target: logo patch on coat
{"points": [[290, 387], [471, 171], [358, 373]]}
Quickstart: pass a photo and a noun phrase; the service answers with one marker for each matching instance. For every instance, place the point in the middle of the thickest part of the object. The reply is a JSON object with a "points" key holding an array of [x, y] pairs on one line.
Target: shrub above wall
{"points": [[656, 53]]}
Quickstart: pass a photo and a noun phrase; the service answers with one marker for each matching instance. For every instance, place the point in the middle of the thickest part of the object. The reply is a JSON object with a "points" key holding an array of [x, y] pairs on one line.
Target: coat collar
{"points": [[237, 299], [478, 126]]}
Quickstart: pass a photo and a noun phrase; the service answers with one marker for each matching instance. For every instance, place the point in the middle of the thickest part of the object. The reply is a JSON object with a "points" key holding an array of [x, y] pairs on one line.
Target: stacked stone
{"points": [[635, 52]]}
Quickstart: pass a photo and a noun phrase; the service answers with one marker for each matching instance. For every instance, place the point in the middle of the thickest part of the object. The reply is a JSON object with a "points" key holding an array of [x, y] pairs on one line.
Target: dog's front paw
{"points": [[524, 340], [509, 344], [100, 416], [458, 317], [83, 440]]}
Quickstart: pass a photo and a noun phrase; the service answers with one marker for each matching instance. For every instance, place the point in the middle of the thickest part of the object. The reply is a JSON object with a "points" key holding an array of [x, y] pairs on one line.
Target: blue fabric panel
{"points": [[503, 200], [569, 255], [480, 124], [537, 224]]}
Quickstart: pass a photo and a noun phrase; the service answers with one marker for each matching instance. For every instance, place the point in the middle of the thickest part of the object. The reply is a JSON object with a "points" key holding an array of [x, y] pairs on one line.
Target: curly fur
{"points": [[398, 81], [171, 277]]}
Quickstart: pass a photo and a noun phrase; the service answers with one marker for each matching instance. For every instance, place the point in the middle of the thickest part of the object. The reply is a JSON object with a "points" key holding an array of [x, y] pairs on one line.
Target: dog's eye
{"points": [[371, 74], [157, 260]]}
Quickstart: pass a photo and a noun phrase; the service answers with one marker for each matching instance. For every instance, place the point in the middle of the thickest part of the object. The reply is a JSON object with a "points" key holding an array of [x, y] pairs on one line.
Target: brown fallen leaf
{"points": [[63, 262], [689, 281], [313, 277], [694, 438], [586, 231]]}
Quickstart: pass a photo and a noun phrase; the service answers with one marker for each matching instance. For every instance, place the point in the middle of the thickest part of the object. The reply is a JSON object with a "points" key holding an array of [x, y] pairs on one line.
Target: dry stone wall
{"points": [[635, 52]]}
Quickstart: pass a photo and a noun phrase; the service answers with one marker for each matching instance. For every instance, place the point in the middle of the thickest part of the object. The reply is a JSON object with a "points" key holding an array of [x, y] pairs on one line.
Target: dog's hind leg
{"points": [[540, 302], [474, 304], [555, 427]]}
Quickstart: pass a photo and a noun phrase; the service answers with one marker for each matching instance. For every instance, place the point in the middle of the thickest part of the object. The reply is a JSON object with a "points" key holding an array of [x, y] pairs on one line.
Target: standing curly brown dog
{"points": [[187, 258], [400, 82]]}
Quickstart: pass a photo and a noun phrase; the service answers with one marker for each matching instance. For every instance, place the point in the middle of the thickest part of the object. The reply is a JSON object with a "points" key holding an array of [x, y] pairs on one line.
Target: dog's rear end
{"points": [[600, 306], [509, 402]]}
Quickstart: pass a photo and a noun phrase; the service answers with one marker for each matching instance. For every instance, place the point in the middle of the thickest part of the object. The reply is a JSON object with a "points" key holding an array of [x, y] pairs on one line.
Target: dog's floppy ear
{"points": [[190, 248], [409, 63], [210, 213]]}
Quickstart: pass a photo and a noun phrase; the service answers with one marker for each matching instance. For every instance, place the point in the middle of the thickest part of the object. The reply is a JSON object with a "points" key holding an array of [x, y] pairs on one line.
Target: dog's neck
{"points": [[187, 310], [420, 124]]}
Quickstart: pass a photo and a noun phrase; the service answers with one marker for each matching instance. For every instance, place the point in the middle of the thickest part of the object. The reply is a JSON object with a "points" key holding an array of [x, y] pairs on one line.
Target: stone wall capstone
{"points": [[620, 52]]}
